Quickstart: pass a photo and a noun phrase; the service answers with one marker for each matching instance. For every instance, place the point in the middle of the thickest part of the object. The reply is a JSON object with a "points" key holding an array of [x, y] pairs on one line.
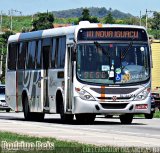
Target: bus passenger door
{"points": [[45, 66], [68, 79]]}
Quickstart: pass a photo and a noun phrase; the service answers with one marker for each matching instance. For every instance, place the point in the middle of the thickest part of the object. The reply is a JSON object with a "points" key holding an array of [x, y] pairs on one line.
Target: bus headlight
{"points": [[143, 95], [85, 95]]}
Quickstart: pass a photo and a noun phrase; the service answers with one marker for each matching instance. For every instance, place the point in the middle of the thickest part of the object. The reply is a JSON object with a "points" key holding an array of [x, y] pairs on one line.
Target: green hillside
{"points": [[94, 11], [65, 16], [71, 16]]}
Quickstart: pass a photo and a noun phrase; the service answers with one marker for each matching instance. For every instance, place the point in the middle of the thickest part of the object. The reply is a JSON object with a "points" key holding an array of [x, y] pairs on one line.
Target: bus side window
{"points": [[56, 52], [53, 60], [12, 56], [31, 55], [38, 55], [61, 52], [22, 55], [46, 50]]}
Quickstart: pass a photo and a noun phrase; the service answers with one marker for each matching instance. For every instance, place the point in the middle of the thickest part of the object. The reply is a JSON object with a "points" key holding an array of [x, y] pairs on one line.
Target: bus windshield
{"points": [[113, 63]]}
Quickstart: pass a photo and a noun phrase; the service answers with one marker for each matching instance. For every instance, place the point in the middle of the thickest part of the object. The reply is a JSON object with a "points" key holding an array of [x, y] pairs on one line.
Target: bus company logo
{"points": [[114, 98]]}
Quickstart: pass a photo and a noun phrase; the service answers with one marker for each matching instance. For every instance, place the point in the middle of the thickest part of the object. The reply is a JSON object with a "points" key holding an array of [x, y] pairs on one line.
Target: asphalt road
{"points": [[141, 133]]}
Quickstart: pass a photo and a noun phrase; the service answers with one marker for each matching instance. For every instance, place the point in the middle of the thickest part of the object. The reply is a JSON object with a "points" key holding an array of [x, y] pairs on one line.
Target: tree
{"points": [[94, 19], [132, 21], [155, 24], [86, 17], [109, 19], [43, 21], [3, 49], [6, 35]]}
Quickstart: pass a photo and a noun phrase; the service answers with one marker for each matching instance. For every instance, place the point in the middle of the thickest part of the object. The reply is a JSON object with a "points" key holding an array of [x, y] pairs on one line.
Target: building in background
{"points": [[155, 45]]}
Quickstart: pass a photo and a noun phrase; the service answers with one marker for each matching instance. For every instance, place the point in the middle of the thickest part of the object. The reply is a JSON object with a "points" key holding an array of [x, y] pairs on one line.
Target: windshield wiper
{"points": [[105, 52], [126, 50], [124, 55]]}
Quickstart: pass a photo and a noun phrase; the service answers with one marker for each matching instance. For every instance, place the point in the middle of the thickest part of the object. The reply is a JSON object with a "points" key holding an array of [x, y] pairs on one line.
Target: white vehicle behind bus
{"points": [[3, 104], [80, 70]]}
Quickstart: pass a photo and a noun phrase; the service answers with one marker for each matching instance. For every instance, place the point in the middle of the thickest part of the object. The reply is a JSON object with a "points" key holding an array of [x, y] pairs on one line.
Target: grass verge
{"points": [[156, 114], [16, 143]]}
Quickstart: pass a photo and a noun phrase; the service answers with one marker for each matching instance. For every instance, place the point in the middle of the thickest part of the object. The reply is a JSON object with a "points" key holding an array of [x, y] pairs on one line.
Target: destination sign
{"points": [[112, 34]]}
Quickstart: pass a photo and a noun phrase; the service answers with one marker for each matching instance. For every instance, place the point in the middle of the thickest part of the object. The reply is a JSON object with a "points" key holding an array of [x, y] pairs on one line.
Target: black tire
{"points": [[108, 116], [26, 110], [8, 110], [31, 116], [37, 116], [126, 118], [148, 116], [85, 118], [65, 118]]}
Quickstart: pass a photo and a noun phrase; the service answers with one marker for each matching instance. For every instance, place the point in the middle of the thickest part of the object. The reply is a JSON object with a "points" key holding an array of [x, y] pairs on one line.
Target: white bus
{"points": [[80, 70]]}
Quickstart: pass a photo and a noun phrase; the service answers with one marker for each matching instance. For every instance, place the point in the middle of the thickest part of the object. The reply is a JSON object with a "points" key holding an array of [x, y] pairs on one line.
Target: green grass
{"points": [[156, 114], [62, 146], [18, 23]]}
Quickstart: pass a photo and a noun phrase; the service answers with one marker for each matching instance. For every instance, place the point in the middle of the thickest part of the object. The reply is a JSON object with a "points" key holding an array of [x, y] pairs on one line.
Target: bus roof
{"points": [[41, 34], [64, 31]]}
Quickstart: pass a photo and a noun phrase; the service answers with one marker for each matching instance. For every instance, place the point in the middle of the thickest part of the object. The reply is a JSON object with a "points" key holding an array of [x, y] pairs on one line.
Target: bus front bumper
{"points": [[99, 107]]}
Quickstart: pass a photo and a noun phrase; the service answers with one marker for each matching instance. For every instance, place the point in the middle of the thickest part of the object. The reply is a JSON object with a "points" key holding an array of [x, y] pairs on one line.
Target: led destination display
{"points": [[112, 34]]}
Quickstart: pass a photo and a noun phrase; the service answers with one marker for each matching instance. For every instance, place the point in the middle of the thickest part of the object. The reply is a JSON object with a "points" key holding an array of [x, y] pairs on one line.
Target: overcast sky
{"points": [[28, 7]]}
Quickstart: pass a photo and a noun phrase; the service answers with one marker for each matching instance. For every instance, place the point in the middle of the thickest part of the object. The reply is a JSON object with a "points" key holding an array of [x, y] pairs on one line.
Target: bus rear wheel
{"points": [[8, 110], [85, 118], [126, 118], [26, 110], [29, 116]]}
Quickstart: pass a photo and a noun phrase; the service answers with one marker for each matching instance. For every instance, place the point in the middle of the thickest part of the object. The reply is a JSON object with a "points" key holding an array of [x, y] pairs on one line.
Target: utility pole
{"points": [[147, 17], [1, 61], [1, 21], [11, 14], [140, 18], [32, 20]]}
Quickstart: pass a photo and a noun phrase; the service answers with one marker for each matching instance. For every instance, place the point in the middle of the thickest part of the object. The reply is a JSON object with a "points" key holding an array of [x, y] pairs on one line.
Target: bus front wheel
{"points": [[65, 118], [149, 116], [85, 118], [126, 118]]}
